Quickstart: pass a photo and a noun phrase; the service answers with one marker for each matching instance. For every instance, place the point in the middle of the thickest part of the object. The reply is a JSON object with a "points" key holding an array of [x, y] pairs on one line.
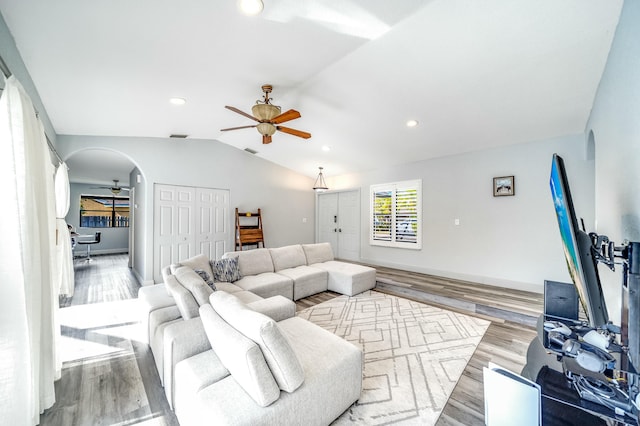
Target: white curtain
{"points": [[64, 256], [28, 298]]}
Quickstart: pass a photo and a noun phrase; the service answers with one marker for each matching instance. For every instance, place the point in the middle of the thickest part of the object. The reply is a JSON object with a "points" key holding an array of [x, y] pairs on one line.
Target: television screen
{"points": [[577, 248]]}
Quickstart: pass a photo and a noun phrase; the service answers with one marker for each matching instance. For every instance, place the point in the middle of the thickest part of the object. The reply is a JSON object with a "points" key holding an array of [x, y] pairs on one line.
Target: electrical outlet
{"points": [[456, 222]]}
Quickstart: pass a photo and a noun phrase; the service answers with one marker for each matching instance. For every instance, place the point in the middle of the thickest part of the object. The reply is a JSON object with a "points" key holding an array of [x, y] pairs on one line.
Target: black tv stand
{"points": [[562, 403]]}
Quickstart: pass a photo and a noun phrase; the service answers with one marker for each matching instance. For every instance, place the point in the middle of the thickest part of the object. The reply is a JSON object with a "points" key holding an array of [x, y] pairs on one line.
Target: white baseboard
{"points": [[498, 282]]}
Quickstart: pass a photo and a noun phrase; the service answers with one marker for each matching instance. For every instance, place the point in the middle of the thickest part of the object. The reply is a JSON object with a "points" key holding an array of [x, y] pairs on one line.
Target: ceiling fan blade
{"points": [[294, 132], [292, 114], [236, 128], [234, 109], [266, 139]]}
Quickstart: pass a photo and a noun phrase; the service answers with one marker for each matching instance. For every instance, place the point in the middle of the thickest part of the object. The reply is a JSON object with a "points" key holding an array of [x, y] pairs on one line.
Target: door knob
{"points": [[335, 230], [339, 229]]}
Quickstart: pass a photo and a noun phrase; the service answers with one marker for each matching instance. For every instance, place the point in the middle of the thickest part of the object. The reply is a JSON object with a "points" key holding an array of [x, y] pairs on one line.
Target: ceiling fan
{"points": [[269, 117], [115, 189]]}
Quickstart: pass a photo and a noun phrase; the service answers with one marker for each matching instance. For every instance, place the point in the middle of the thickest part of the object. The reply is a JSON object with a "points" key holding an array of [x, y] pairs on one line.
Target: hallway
{"points": [[108, 373]]}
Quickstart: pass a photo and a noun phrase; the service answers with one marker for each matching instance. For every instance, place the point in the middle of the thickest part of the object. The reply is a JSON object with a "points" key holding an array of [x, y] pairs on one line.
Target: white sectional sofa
{"points": [[198, 384]]}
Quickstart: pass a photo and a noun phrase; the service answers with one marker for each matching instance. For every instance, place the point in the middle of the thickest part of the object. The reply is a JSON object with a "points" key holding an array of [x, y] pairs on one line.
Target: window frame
{"points": [[113, 211], [394, 188]]}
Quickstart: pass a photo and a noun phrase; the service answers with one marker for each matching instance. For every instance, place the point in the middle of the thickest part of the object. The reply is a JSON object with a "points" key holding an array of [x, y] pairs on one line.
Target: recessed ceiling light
{"points": [[250, 7], [412, 123], [326, 148], [178, 101]]}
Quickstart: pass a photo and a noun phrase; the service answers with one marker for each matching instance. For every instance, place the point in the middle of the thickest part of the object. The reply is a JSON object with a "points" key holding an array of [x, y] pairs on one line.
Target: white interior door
{"points": [[339, 223], [189, 221], [349, 225], [174, 225], [328, 220], [212, 211]]}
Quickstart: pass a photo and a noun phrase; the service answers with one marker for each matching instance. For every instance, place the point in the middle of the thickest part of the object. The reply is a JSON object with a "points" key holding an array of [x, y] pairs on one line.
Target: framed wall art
{"points": [[504, 186]]}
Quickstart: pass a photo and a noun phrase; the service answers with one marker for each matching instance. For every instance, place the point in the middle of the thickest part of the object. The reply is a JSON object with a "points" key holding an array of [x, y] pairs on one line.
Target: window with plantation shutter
{"points": [[396, 214]]}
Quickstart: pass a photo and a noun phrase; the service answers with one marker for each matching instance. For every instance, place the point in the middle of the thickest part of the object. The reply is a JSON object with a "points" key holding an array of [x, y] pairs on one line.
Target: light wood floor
{"points": [[124, 388]]}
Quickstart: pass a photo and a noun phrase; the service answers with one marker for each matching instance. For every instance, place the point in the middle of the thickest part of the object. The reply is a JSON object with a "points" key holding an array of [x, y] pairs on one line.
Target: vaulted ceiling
{"points": [[474, 74]]}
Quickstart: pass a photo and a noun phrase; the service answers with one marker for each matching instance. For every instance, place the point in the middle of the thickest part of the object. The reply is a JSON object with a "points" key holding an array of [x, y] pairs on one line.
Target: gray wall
{"points": [[12, 58], [615, 123], [284, 196], [112, 240], [507, 241]]}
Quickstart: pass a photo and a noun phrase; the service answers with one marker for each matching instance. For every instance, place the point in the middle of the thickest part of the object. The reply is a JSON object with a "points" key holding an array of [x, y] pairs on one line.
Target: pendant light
{"points": [[320, 185]]}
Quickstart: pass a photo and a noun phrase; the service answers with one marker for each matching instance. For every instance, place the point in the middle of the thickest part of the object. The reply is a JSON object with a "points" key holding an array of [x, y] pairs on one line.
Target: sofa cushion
{"points": [[252, 262], [277, 308], [226, 270], [241, 356], [287, 257], [317, 253], [264, 331], [247, 296], [267, 284], [228, 287], [193, 374], [199, 261], [307, 280], [192, 282], [348, 278], [185, 301]]}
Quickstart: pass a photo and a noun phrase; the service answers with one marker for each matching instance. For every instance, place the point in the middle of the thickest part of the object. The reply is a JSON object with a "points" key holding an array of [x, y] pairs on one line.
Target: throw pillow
{"points": [[226, 270], [206, 278]]}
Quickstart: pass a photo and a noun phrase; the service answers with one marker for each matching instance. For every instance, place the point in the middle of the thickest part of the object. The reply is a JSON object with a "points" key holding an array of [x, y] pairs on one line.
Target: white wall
{"points": [[507, 241], [112, 240], [138, 212], [615, 122], [284, 196]]}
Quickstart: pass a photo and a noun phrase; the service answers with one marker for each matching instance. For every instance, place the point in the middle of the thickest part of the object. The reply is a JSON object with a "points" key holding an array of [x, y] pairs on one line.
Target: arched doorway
{"points": [[103, 173]]}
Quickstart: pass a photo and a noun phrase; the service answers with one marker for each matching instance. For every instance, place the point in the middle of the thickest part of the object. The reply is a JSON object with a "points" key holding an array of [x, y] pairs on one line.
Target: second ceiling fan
{"points": [[269, 117]]}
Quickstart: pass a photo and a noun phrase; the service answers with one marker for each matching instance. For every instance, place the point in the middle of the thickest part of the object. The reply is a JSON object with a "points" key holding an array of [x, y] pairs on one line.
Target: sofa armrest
{"points": [[277, 308], [182, 340]]}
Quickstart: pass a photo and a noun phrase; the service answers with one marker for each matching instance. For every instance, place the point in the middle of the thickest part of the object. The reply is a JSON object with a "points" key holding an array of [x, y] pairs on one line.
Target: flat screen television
{"points": [[578, 248]]}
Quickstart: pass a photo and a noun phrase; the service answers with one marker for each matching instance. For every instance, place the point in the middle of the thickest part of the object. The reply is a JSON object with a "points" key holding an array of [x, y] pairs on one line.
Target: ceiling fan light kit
{"points": [[266, 129], [266, 112], [268, 117], [115, 189], [320, 185]]}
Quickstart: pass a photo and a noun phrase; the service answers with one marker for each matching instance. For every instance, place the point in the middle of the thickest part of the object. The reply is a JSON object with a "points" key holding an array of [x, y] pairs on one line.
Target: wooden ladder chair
{"points": [[248, 233]]}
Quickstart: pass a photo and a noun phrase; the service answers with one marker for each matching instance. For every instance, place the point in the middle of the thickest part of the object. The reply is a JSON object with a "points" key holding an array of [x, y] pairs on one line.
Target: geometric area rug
{"points": [[414, 354]]}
